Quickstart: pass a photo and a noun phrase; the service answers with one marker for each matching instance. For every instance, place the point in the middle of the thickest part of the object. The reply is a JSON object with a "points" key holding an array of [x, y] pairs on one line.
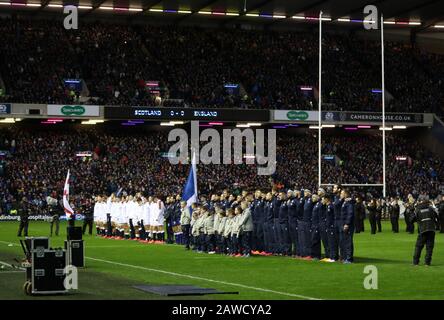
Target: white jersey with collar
{"points": [[109, 205], [130, 210], [153, 209], [114, 211], [103, 209], [145, 213]]}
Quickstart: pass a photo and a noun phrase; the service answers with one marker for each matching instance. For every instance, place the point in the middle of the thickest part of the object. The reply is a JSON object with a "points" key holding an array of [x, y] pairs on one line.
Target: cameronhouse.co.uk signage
{"points": [[73, 110], [337, 116], [372, 117]]}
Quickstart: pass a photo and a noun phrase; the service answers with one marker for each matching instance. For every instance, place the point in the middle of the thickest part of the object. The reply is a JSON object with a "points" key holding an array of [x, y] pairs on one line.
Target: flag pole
{"points": [[194, 166], [69, 212]]}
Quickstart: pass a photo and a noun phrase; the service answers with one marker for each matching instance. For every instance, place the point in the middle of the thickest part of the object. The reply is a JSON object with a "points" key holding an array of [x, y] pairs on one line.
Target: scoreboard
{"points": [[210, 114]]}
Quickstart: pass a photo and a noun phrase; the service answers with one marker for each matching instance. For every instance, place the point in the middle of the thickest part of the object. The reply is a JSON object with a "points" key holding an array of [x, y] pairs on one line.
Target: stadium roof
{"points": [[420, 15]]}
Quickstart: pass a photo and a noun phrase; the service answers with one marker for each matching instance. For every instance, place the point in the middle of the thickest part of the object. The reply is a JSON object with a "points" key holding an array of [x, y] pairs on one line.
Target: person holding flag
{"points": [[189, 197], [190, 190], [66, 206]]}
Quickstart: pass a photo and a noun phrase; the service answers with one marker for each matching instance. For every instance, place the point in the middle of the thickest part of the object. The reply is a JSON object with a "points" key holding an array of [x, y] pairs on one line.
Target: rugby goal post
{"points": [[383, 184]]}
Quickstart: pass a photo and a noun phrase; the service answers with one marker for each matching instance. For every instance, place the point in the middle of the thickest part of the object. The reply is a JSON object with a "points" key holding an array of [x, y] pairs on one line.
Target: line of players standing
{"points": [[299, 223], [293, 223], [138, 217]]}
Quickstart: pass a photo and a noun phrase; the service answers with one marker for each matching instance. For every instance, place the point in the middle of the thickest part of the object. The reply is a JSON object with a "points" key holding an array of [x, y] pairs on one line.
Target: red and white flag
{"points": [[68, 210]]}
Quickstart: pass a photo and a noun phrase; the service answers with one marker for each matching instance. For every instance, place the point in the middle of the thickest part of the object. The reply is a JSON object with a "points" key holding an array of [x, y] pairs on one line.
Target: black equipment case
{"points": [[45, 268], [75, 253], [34, 243]]}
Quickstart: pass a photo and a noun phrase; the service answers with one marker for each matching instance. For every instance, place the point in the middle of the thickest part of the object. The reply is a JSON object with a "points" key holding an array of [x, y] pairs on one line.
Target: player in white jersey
{"points": [[96, 213], [149, 214], [100, 214], [115, 212], [131, 213], [144, 219], [157, 220], [152, 215], [124, 217], [108, 210], [100, 208], [138, 207]]}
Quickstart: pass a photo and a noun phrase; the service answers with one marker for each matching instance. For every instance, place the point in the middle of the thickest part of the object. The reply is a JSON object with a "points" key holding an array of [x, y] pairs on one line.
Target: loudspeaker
{"points": [[74, 233]]}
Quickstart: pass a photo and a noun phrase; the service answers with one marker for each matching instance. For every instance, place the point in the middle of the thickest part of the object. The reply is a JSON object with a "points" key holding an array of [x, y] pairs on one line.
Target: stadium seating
{"points": [[192, 66]]}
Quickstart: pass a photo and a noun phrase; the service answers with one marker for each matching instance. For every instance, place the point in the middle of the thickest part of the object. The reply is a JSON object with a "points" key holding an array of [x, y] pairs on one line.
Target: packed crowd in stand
{"points": [[37, 160], [193, 65]]}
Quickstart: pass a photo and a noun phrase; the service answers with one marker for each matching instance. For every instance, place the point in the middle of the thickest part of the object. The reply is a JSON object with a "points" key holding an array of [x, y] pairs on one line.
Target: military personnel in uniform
{"points": [[409, 214], [169, 218], [427, 218], [394, 211], [379, 209], [372, 213], [359, 215], [23, 209], [88, 219], [51, 202]]}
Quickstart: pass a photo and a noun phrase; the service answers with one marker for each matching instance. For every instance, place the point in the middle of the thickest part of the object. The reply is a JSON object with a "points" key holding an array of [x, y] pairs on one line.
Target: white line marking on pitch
{"points": [[14, 244], [198, 278], [10, 266], [204, 279]]}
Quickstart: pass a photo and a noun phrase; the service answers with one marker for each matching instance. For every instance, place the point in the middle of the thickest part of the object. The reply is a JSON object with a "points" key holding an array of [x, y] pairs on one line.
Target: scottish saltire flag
{"points": [[67, 207], [190, 189]]}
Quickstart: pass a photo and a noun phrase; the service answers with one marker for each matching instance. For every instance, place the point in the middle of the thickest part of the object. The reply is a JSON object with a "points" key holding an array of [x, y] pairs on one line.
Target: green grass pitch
{"points": [[114, 266]]}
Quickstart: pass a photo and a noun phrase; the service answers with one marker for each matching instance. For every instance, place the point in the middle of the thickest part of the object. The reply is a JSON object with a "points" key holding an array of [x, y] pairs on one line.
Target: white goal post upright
{"points": [[383, 106], [383, 184], [320, 103]]}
